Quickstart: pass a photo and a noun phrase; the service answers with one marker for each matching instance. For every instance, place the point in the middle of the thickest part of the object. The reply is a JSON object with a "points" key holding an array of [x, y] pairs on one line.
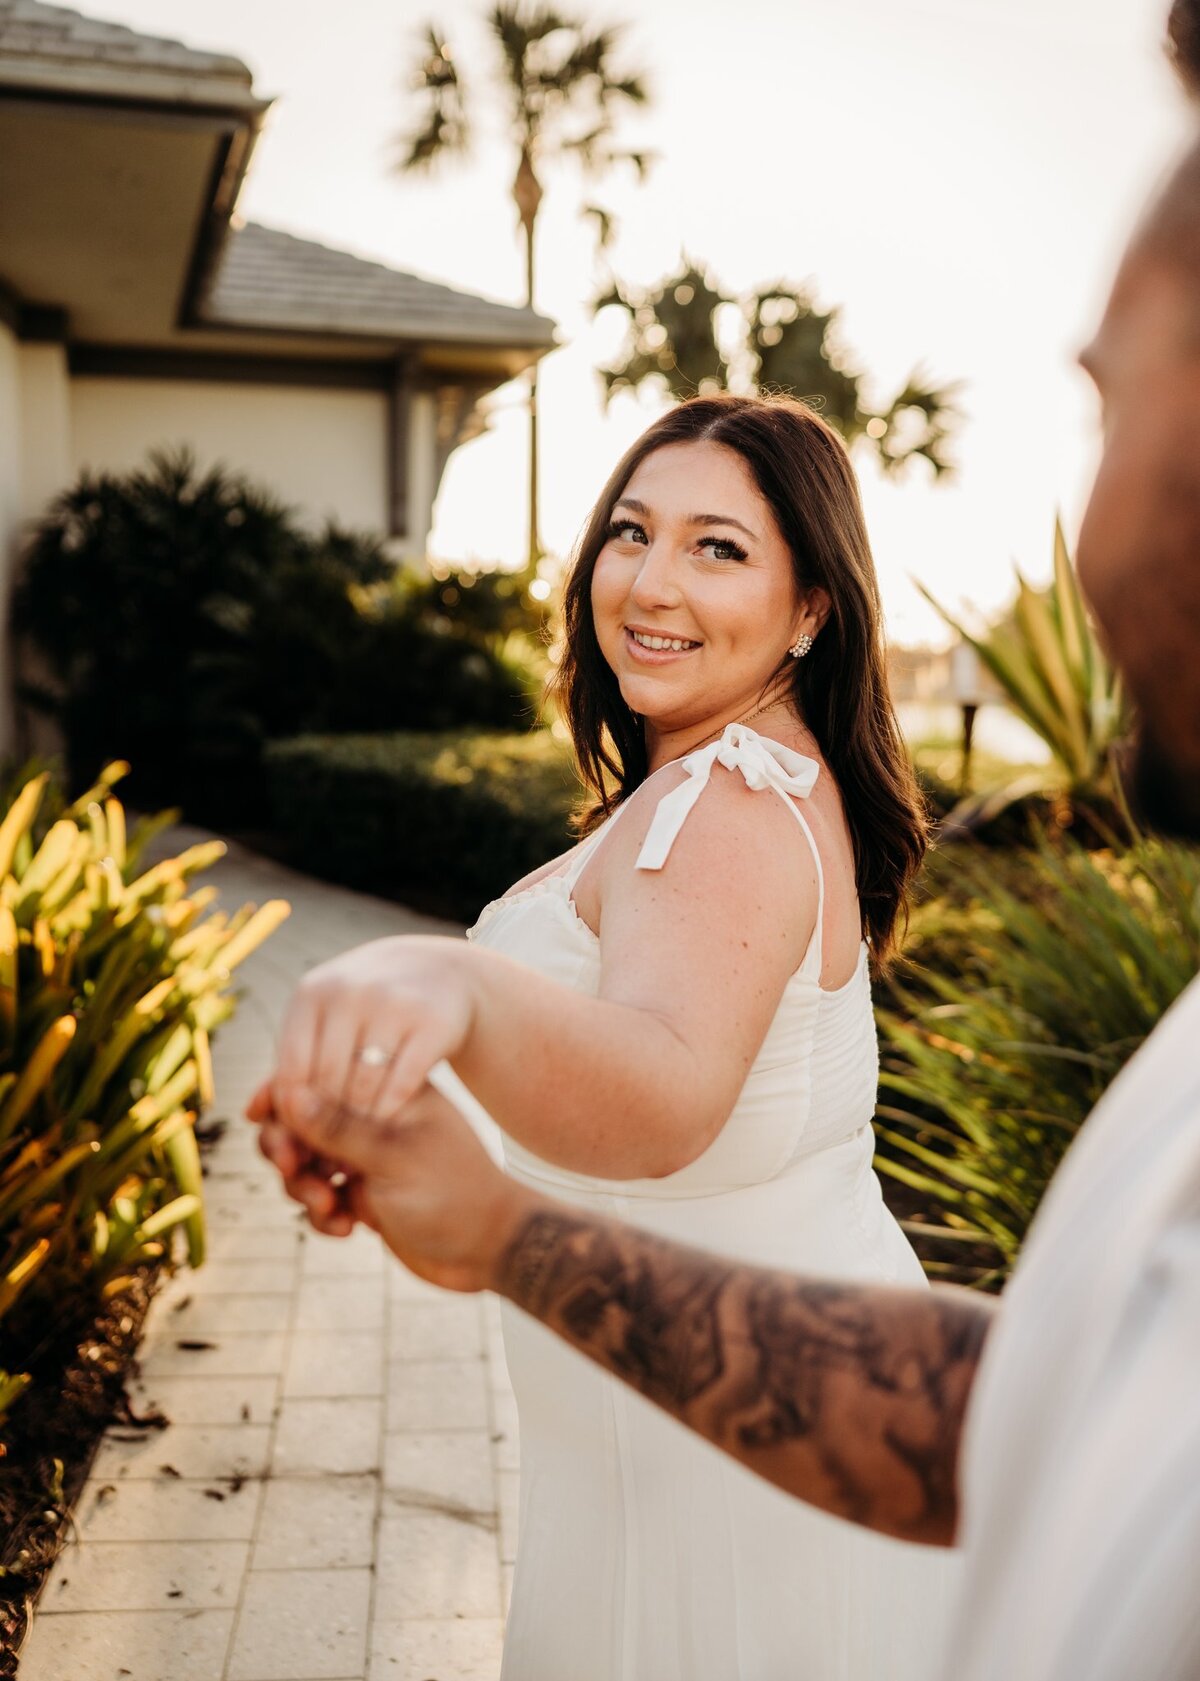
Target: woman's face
{"points": [[694, 559]]}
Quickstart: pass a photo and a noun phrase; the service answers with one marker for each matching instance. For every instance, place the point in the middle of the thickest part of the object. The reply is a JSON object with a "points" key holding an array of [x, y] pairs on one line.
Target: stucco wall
{"points": [[45, 426], [10, 434], [323, 452], [10, 508]]}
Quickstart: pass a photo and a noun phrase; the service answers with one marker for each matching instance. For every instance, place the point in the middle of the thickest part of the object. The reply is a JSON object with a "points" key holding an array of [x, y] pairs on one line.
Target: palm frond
{"points": [[587, 146], [642, 161], [917, 424], [633, 88], [604, 223], [587, 58], [519, 30], [671, 338], [443, 127]]}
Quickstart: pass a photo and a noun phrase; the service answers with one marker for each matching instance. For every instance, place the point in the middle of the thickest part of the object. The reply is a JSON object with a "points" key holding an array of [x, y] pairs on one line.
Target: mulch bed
{"points": [[79, 1371]]}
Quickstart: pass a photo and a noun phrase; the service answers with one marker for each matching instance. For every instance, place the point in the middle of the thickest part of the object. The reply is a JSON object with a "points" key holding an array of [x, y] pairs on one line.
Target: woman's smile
{"points": [[656, 647]]}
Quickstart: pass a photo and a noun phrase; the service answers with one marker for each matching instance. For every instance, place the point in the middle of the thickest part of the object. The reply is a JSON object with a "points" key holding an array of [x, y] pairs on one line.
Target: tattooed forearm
{"points": [[850, 1396]]}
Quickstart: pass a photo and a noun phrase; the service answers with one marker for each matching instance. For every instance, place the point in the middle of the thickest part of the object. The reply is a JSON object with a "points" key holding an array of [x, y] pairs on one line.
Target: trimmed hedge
{"points": [[440, 820]]}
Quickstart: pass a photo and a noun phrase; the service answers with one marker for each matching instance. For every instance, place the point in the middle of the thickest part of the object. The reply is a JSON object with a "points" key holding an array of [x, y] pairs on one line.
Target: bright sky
{"points": [[959, 175]]}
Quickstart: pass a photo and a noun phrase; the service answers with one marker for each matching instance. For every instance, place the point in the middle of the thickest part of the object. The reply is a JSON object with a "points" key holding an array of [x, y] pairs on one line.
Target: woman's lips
{"points": [[656, 656]]}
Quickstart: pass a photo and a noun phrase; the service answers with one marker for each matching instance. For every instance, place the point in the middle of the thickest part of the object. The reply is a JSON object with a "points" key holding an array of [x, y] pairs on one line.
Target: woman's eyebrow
{"points": [[692, 519], [721, 519]]}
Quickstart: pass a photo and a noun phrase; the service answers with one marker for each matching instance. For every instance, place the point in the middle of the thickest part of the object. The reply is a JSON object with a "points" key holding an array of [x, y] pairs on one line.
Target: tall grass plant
{"points": [[1031, 979]]}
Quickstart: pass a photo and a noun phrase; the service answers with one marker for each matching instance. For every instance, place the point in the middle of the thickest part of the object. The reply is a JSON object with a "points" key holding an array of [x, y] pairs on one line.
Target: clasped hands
{"points": [[363, 1137]]}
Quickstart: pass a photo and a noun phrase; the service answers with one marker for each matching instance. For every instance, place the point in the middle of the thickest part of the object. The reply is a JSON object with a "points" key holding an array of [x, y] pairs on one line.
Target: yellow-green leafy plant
{"points": [[112, 982], [1029, 984], [1056, 677]]}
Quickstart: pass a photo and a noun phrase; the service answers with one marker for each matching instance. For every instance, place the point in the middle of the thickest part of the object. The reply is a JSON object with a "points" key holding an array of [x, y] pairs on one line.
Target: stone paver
{"points": [[334, 1496], [464, 1650]]}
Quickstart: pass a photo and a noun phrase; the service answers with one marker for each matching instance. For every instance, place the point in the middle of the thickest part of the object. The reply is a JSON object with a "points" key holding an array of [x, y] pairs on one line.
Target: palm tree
{"points": [[781, 341], [563, 96]]}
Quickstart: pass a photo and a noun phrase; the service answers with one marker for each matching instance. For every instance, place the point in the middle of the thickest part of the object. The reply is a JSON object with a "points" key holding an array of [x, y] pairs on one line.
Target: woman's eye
{"points": [[722, 549], [621, 530]]}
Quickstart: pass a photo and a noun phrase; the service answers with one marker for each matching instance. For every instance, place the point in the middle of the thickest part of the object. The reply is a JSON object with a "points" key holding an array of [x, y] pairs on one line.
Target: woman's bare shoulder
{"points": [[729, 820], [722, 806]]}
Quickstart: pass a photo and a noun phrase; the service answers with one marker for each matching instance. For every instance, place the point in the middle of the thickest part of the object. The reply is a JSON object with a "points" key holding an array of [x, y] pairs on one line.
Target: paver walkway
{"points": [[335, 1496]]}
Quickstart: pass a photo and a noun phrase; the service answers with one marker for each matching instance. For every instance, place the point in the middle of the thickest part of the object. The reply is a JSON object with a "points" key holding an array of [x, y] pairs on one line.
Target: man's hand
{"points": [[420, 1178]]}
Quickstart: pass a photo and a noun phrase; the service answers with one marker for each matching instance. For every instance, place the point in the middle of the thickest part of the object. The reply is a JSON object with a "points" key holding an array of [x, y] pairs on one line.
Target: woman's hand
{"points": [[421, 1179], [365, 1029]]}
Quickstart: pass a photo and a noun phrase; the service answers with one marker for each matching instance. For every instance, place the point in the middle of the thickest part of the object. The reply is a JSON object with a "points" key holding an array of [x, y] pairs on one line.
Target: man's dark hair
{"points": [[1183, 43]]}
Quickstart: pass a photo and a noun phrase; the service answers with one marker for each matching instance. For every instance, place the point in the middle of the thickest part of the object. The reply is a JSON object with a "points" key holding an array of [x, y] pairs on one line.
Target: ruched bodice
{"points": [[643, 1555]]}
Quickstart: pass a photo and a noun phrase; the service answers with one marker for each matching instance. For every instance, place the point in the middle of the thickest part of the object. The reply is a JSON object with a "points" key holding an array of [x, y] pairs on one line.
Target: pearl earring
{"points": [[801, 645]]}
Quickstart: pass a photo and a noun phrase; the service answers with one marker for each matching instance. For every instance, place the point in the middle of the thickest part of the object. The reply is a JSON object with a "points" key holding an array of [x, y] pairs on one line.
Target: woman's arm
{"points": [[635, 1082]]}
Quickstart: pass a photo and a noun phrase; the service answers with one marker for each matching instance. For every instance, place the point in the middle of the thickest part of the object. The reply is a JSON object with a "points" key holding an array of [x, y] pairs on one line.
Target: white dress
{"points": [[643, 1553]]}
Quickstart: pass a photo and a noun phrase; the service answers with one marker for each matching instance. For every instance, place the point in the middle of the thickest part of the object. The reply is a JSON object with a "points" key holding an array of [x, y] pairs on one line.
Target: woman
{"points": [[672, 1022]]}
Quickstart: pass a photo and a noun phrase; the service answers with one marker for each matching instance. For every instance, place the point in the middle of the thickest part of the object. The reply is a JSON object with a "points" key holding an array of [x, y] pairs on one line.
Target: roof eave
{"points": [[107, 82], [415, 331], [507, 357], [229, 173]]}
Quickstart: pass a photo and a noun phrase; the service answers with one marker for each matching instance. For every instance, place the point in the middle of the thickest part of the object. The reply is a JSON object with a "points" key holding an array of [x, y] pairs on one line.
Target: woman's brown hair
{"points": [[840, 689]]}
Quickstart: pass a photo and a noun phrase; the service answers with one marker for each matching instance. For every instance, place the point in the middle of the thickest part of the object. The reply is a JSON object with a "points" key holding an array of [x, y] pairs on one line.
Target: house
{"points": [[931, 677], [137, 311]]}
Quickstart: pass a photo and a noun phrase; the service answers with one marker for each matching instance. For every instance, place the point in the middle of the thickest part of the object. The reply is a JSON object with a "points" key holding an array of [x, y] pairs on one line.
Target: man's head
{"points": [[1139, 550]]}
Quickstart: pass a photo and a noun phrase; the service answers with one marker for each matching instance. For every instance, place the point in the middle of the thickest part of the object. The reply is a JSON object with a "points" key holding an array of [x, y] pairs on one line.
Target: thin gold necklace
{"points": [[780, 700]]}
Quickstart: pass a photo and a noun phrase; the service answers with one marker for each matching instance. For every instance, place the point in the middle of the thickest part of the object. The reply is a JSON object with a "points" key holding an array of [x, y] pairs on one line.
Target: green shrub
{"points": [[488, 607], [401, 672], [185, 618], [111, 984], [1030, 980], [444, 821], [1016, 811]]}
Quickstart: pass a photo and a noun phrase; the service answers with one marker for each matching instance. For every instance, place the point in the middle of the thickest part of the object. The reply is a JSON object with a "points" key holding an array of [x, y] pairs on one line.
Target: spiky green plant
{"points": [[111, 984], [1044, 975], [1056, 677]]}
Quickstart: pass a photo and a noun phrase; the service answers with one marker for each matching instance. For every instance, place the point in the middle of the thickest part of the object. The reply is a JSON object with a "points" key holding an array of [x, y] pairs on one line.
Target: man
{"points": [[1056, 1435]]}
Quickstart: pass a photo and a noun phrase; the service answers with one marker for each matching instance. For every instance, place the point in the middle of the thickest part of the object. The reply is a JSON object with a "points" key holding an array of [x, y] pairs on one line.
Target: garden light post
{"points": [[965, 684]]}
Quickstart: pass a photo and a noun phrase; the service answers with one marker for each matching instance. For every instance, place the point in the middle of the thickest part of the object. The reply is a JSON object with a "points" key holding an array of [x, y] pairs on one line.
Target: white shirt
{"points": [[1081, 1467]]}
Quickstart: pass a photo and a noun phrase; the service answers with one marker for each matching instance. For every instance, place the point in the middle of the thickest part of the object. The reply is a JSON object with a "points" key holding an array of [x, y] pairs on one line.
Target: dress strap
{"points": [[586, 847], [763, 763]]}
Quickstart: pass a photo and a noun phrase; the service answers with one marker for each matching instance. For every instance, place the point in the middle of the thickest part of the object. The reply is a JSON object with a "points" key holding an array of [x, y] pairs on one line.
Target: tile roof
{"points": [[53, 48], [269, 279], [266, 279]]}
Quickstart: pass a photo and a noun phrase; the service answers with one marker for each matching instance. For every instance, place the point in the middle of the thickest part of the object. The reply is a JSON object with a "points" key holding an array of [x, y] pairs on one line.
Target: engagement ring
{"points": [[374, 1056]]}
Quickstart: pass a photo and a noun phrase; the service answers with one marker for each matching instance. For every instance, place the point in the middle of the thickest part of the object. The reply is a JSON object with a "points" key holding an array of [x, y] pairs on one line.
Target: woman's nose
{"points": [[656, 583]]}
